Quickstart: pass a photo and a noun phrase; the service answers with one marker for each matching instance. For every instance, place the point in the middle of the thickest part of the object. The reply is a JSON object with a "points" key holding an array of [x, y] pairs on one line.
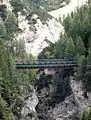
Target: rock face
{"points": [[71, 108], [35, 32], [83, 99], [35, 35], [64, 11], [52, 88], [24, 107], [6, 2], [29, 107], [66, 110], [73, 105], [35, 38]]}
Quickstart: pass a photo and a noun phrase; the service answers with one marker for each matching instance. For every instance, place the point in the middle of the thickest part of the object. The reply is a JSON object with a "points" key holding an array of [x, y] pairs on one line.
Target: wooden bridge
{"points": [[44, 63]]}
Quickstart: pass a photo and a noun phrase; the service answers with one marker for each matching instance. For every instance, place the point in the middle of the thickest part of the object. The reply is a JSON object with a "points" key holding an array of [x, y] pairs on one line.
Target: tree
{"points": [[79, 47], [18, 6], [3, 31], [4, 68], [70, 49], [5, 112], [11, 23], [64, 47], [59, 50], [79, 25]]}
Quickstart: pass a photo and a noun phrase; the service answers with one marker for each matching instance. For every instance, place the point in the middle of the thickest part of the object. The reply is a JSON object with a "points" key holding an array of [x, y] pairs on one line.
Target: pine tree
{"points": [[70, 49], [7, 82], [11, 23], [3, 31], [79, 47], [59, 50]]}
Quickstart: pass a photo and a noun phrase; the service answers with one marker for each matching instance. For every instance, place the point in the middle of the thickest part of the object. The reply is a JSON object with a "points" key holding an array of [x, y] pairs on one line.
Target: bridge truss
{"points": [[44, 63]]}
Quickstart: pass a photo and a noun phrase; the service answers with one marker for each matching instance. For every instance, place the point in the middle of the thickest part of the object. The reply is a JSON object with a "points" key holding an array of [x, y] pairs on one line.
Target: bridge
{"points": [[45, 63]]}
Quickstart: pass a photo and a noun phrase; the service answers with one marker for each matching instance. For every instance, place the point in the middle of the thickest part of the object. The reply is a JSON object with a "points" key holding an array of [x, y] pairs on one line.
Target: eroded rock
{"points": [[24, 107]]}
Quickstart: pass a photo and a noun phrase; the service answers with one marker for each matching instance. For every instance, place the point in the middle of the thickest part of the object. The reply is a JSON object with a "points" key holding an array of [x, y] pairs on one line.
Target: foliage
{"points": [[18, 5], [81, 63], [3, 11], [5, 112], [60, 47], [70, 49], [78, 25], [62, 87], [79, 46], [6, 78], [74, 43], [64, 47], [11, 23], [3, 31], [86, 114], [13, 82], [48, 52], [89, 115]]}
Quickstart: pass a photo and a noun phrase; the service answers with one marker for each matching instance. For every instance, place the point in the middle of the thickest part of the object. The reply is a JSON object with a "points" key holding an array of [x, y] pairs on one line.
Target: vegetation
{"points": [[5, 111], [86, 114], [75, 43], [50, 5], [11, 80], [79, 28]]}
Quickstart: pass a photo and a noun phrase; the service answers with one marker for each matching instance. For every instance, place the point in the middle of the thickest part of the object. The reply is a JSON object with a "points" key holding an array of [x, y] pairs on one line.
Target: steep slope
{"points": [[64, 11], [74, 105], [35, 37], [35, 34], [50, 5], [71, 108]]}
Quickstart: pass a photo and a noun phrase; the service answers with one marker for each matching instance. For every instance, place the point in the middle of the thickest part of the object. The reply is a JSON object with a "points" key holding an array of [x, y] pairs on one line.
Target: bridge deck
{"points": [[37, 64]]}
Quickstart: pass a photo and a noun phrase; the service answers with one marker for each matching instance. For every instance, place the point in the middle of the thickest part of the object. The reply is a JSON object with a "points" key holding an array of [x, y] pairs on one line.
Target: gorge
{"points": [[30, 30]]}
